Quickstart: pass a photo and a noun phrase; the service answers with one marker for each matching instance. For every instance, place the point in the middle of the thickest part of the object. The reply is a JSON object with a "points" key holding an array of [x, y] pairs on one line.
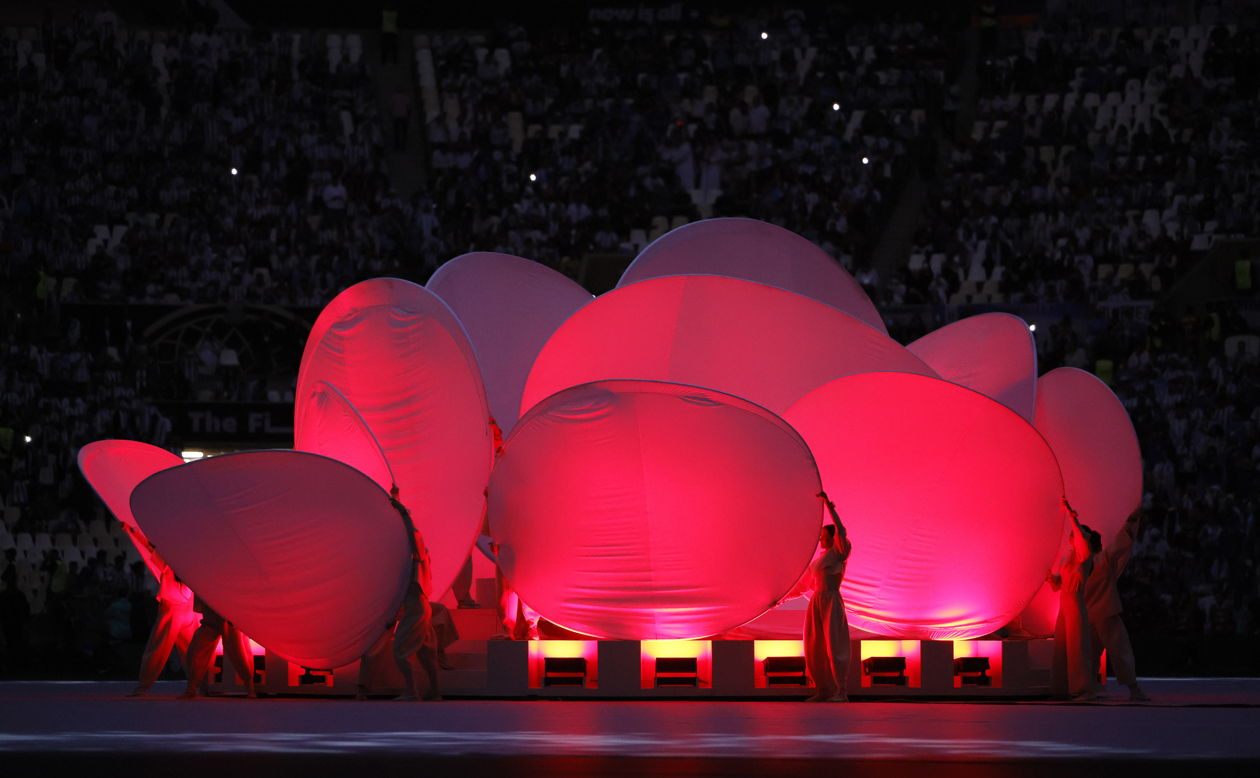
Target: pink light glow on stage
{"points": [[402, 360], [986, 648], [509, 307], [952, 502], [540, 650], [910, 649], [114, 468], [638, 510], [762, 344], [254, 648], [755, 251], [763, 649], [651, 650], [768, 648], [303, 553]]}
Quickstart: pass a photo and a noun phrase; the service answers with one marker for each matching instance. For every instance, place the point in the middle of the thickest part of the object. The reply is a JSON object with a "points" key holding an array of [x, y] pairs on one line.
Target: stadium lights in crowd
{"points": [[233, 171], [765, 35], [28, 438], [1032, 327], [866, 160], [835, 106], [191, 455], [533, 177]]}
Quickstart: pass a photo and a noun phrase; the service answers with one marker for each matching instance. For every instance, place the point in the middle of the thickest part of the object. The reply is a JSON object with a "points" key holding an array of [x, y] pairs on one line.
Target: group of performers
{"points": [[421, 632], [1089, 612], [1088, 622]]}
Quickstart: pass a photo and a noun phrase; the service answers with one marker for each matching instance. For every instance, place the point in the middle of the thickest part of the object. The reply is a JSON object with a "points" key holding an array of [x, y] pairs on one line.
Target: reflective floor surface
{"points": [[91, 728]]}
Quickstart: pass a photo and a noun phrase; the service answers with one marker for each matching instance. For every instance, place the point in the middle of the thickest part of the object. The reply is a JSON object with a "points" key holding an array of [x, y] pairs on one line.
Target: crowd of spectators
{"points": [[191, 167], [1101, 163], [1192, 388], [549, 145], [67, 556], [194, 167]]}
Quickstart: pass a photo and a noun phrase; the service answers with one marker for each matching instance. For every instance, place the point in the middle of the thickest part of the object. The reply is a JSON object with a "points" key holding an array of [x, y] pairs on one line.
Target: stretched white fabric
{"points": [[953, 502], [331, 427], [1093, 438], [992, 353], [638, 510], [509, 306], [400, 357], [114, 468], [755, 251], [758, 342], [304, 554]]}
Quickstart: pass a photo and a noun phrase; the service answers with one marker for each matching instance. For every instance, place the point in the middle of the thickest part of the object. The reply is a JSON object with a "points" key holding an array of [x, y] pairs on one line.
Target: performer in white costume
{"points": [[1103, 602], [201, 650], [826, 626], [1071, 674], [175, 623], [414, 635]]}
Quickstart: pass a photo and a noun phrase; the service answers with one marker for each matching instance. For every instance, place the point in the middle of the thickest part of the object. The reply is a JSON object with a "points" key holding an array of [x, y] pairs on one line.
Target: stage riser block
{"points": [[501, 669]]}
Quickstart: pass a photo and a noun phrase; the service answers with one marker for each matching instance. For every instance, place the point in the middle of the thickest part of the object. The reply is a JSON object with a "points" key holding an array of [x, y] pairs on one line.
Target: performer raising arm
{"points": [[1071, 674], [826, 626]]}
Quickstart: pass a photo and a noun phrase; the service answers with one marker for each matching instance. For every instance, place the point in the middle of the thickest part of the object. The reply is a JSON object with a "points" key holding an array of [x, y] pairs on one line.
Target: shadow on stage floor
{"points": [[1192, 726]]}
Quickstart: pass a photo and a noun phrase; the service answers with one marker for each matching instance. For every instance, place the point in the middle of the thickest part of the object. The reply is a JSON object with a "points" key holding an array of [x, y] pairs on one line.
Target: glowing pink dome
{"points": [[639, 510]]}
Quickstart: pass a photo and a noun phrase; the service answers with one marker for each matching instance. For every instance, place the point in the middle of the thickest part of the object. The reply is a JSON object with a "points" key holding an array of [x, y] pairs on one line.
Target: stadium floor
{"points": [[61, 728]]}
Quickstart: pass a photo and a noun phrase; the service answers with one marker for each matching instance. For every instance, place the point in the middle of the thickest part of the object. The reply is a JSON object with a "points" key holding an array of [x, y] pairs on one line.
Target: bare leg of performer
{"points": [[427, 655], [157, 650], [236, 648], [368, 662], [1110, 634], [463, 586], [409, 679], [446, 631], [200, 655]]}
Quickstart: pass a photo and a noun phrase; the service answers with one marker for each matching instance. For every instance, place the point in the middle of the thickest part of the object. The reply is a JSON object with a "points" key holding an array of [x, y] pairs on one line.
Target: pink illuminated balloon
{"points": [[757, 342], [1039, 616], [640, 510], [400, 357], [331, 427], [755, 251], [114, 468], [509, 306], [952, 501], [303, 553], [992, 353], [1093, 439]]}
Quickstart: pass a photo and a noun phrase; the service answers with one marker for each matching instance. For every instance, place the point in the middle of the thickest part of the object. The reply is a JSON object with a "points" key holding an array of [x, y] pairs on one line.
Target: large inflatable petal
{"points": [[114, 468], [952, 501], [331, 427], [763, 344], [402, 359], [509, 307], [637, 510], [992, 353], [1093, 439], [304, 553], [755, 251]]}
